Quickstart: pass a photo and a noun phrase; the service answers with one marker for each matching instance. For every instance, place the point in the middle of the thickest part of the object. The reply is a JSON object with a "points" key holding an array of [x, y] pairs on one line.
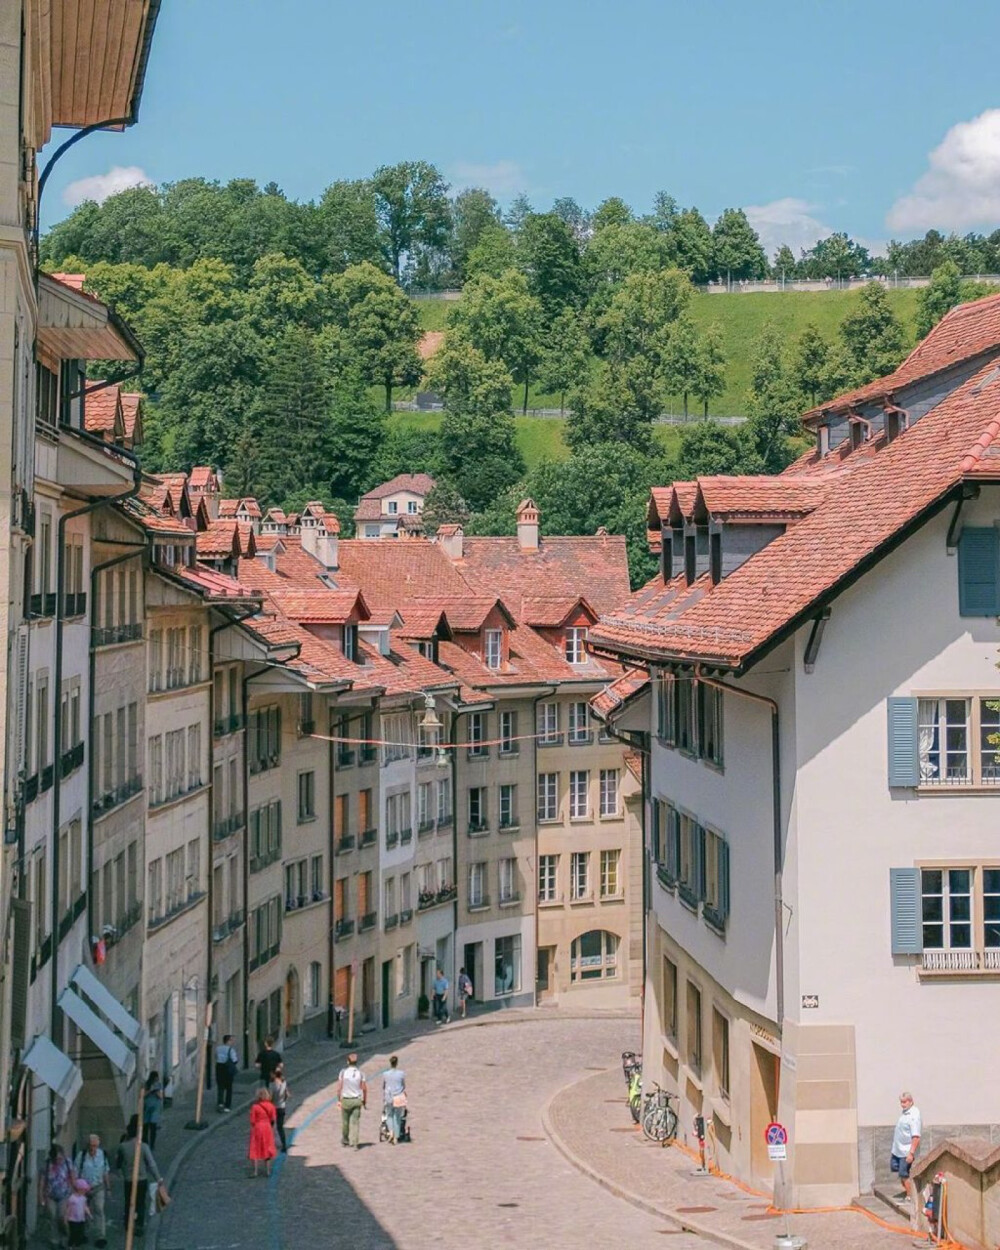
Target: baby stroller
{"points": [[385, 1133]]}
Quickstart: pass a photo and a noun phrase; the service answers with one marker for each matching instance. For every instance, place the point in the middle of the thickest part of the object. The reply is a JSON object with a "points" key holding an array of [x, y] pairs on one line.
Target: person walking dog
{"points": [[352, 1090]]}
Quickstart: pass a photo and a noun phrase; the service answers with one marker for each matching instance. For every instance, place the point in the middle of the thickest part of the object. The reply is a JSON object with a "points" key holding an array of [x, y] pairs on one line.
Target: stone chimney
{"points": [[324, 539], [450, 539], [527, 525]]}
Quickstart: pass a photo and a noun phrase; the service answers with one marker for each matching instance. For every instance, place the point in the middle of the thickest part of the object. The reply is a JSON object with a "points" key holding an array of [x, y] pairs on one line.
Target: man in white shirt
{"points": [[352, 1090], [905, 1142]]}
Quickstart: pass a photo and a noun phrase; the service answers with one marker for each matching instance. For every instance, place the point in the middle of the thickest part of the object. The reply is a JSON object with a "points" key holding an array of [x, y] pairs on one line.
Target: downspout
{"points": [[779, 940], [64, 147], [331, 1011], [94, 504], [95, 569], [245, 705], [534, 769]]}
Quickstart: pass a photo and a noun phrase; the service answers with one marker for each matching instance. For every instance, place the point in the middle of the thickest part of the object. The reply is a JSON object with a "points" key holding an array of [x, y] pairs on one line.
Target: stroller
{"points": [[385, 1133]]}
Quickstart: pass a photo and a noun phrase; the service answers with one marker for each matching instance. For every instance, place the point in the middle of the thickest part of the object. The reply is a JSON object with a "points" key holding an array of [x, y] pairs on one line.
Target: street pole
{"points": [[134, 1188], [198, 1122]]}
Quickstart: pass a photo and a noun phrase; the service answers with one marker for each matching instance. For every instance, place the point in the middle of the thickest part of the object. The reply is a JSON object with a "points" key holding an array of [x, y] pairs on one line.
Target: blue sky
{"points": [[880, 118]]}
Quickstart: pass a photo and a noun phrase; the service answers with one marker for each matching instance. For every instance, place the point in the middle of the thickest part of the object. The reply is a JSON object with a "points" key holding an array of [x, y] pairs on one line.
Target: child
{"points": [[77, 1213]]}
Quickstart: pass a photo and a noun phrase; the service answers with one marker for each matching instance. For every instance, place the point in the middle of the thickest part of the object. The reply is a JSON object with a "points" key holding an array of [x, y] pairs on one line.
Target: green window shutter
{"points": [[656, 830], [673, 842], [699, 861], [904, 901], [979, 572], [904, 764], [723, 851]]}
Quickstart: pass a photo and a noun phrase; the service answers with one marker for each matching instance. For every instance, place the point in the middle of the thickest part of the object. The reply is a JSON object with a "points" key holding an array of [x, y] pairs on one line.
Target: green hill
{"points": [[741, 319]]}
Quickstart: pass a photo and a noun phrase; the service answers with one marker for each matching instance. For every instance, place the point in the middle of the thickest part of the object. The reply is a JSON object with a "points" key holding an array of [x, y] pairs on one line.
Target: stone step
{"points": [[886, 1194]]}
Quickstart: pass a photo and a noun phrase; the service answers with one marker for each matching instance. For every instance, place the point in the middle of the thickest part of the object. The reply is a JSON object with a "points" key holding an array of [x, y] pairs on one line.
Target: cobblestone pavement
{"points": [[479, 1171]]}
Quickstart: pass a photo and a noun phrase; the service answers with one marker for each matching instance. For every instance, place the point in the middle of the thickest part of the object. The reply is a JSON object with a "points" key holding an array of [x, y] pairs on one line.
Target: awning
{"points": [[103, 1038], [106, 1003], [56, 1069], [73, 325]]}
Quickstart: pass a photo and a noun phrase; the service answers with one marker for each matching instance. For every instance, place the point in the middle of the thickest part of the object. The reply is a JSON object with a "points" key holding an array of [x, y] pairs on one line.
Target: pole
{"points": [[134, 1187], [198, 1122]]}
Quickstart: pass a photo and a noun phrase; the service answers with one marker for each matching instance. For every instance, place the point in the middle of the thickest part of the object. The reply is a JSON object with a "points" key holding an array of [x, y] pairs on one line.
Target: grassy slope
{"points": [[741, 319]]}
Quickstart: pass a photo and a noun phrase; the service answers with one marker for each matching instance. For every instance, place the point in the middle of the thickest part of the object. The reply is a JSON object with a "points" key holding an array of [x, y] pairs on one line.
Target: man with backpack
{"points": [[227, 1061]]}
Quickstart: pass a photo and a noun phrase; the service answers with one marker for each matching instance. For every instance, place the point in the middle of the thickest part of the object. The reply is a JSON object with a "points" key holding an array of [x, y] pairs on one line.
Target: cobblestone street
{"points": [[479, 1171]]}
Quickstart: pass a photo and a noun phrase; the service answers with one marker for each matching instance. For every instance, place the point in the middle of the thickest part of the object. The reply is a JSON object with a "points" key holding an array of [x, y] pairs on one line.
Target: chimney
{"points": [[450, 539], [527, 525]]}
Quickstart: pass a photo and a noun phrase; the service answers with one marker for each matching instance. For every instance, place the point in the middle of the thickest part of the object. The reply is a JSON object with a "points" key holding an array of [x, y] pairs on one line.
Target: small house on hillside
{"points": [[393, 507]]}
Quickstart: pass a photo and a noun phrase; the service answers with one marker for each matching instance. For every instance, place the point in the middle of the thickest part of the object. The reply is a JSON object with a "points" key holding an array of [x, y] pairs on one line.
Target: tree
{"points": [[711, 378], [494, 253], [611, 212], [616, 404], [810, 362], [503, 320], [692, 242], [772, 403], [567, 209], [473, 212], [379, 326], [467, 381], [682, 359], [566, 355], [640, 310], [479, 453], [617, 250], [551, 258], [412, 210], [933, 301], [872, 335], [785, 265], [836, 256], [736, 249], [708, 449], [519, 211], [665, 212], [348, 226], [444, 506], [357, 436]]}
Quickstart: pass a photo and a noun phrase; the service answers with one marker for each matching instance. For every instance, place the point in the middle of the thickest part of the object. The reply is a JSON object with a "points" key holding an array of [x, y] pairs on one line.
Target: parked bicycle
{"points": [[659, 1119], [630, 1063]]}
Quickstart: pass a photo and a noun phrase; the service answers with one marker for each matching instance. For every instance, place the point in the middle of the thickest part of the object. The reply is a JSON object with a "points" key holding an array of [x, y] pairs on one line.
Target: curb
{"points": [[620, 1191]]}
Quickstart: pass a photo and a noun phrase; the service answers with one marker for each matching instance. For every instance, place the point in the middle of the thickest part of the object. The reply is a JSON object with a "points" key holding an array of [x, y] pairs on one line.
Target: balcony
{"points": [[688, 894], [74, 605], [368, 837], [71, 760], [477, 753], [346, 842], [345, 758], [434, 898], [226, 826], [478, 828], [110, 635], [392, 839], [368, 921], [406, 915], [665, 877], [343, 929], [227, 725], [391, 922], [368, 755], [961, 962], [444, 822], [114, 798], [405, 837]]}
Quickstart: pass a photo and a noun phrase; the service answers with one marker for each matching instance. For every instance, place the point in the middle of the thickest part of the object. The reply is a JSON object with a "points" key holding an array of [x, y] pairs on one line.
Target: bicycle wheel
{"points": [[635, 1105], [670, 1124]]}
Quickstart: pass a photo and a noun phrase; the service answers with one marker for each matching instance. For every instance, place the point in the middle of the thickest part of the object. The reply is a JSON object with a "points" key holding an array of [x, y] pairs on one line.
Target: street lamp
{"points": [[432, 726]]}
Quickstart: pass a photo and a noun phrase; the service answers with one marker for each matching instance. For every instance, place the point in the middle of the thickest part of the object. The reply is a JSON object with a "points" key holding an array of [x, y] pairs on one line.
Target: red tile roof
{"points": [[759, 497], [552, 611], [222, 538], [416, 483], [103, 410], [318, 606], [132, 412], [212, 585], [393, 574]]}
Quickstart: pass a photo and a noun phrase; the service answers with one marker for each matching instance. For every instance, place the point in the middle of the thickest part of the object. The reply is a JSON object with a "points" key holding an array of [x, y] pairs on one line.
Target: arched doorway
{"points": [[293, 1004]]}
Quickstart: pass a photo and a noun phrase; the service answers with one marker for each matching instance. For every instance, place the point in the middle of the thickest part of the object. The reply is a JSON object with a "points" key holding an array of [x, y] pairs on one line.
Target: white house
{"points": [[823, 927], [394, 507]]}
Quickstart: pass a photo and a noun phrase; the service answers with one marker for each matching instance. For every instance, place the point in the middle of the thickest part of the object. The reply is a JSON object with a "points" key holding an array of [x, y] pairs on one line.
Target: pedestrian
{"points": [[394, 1098], [92, 1166], [227, 1061], [279, 1096], [148, 1171], [352, 1090], [55, 1184], [464, 989], [77, 1213], [905, 1142], [261, 1148], [267, 1060], [152, 1108], [440, 998]]}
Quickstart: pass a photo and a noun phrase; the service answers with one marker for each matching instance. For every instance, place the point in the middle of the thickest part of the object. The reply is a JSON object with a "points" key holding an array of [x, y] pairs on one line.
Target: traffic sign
{"points": [[776, 1137]]}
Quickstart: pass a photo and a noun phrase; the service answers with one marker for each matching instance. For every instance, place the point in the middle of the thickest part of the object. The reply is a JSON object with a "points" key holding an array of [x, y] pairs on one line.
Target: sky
{"points": [[881, 118]]}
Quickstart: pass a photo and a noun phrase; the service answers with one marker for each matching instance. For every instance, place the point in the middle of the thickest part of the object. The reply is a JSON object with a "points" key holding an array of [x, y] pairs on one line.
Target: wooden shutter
{"points": [[698, 847], [904, 906], [904, 764], [722, 849], [655, 832], [673, 842], [978, 568]]}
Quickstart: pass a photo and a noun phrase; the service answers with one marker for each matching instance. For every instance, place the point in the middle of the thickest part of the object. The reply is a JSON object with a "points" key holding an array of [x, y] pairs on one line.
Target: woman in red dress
{"points": [[262, 1148]]}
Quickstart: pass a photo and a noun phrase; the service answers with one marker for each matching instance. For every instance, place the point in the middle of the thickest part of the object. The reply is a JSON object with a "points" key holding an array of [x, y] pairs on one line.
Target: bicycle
{"points": [[659, 1119], [631, 1062], [635, 1093]]}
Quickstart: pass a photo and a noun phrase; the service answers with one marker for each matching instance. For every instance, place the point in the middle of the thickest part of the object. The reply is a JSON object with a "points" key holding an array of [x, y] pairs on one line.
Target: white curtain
{"points": [[929, 718]]}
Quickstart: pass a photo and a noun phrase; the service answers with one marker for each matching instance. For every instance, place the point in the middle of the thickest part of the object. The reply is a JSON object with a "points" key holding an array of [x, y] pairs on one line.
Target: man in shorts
{"points": [[905, 1142], [352, 1090]]}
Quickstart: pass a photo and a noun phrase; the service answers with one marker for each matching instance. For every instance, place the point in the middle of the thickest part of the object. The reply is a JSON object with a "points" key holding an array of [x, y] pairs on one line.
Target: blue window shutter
{"points": [[904, 764], [979, 572], [723, 848], [904, 900]]}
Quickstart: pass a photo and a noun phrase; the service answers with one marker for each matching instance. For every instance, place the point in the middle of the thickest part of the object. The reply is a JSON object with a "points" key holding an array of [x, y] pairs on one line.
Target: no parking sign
{"points": [[776, 1136]]}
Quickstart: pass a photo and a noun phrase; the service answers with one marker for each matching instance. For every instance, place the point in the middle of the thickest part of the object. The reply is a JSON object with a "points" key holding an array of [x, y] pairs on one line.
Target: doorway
{"points": [[764, 1077], [386, 990], [546, 964], [472, 962], [368, 991], [291, 1004]]}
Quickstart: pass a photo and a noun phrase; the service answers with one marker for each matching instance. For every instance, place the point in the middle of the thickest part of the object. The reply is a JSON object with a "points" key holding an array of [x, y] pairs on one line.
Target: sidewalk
{"points": [[589, 1123]]}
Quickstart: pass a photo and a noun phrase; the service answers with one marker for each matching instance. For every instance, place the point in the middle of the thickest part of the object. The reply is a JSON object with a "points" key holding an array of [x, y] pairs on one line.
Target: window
{"points": [[548, 797], [716, 891], [579, 794], [155, 659], [609, 791], [579, 722], [425, 811], [350, 646], [594, 956], [444, 874], [477, 734], [710, 723], [194, 757], [548, 868], [396, 732], [508, 807], [689, 869], [579, 875], [194, 654], [264, 739], [411, 506], [508, 733], [478, 821], [389, 897], [547, 728], [694, 1052], [156, 791], [720, 1051], [393, 507], [154, 891], [312, 997], [947, 911], [193, 878], [307, 796], [494, 648], [316, 877], [405, 896], [610, 880], [443, 801], [685, 726], [668, 1000], [509, 891], [477, 885], [576, 650], [944, 740], [507, 965]]}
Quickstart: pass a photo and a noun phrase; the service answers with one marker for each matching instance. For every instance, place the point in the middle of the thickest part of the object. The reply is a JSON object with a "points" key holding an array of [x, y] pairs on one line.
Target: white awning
{"points": [[98, 1032], [107, 1004], [56, 1069]]}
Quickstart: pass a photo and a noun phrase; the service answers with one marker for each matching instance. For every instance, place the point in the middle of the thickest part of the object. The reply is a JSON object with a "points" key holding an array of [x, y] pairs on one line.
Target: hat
{"points": [[81, 1186]]}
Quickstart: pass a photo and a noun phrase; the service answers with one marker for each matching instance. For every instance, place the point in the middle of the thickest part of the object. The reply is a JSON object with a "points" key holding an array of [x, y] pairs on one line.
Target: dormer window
{"points": [[576, 645], [494, 649], [715, 557], [690, 558], [351, 642]]}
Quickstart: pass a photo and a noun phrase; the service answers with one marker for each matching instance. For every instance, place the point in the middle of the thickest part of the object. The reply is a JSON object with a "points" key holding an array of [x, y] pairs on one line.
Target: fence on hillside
{"points": [[892, 282], [665, 418]]}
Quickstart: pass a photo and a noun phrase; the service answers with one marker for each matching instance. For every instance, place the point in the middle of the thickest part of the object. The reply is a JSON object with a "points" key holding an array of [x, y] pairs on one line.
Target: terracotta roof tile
{"points": [[132, 412], [615, 695], [417, 483], [552, 611], [213, 585], [222, 538], [318, 606], [103, 411], [757, 497], [393, 573]]}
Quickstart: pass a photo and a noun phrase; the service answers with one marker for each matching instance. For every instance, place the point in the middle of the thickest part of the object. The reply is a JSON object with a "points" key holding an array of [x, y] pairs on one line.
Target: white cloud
{"points": [[787, 220], [961, 187], [501, 178], [99, 186]]}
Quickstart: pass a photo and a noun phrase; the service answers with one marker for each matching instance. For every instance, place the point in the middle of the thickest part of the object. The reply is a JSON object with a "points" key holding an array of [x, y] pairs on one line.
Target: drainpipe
{"points": [[779, 940], [245, 704], [534, 768], [94, 504], [95, 569], [331, 1012]]}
